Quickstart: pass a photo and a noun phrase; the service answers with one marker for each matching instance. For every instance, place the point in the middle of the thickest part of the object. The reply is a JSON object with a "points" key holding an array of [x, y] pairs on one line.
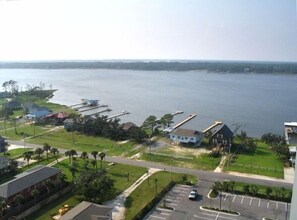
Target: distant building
{"points": [[291, 133], [186, 136], [222, 135], [57, 118], [292, 150], [27, 181], [88, 211], [127, 126]]}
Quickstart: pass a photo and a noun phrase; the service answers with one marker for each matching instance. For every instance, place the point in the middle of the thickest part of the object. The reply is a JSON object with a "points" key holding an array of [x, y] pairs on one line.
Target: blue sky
{"points": [[260, 30]]}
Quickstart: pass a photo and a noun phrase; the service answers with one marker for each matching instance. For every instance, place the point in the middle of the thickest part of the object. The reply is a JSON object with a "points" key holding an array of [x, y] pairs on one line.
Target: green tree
{"points": [[68, 154], [84, 156], [46, 148], [3, 207], [166, 120], [39, 151], [12, 166], [150, 123], [27, 156], [49, 185], [55, 151], [95, 153], [102, 156], [73, 170]]}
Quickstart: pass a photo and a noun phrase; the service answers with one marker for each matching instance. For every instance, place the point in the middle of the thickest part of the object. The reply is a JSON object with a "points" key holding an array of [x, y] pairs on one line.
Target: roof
{"points": [[223, 129], [126, 126], [59, 115], [27, 179], [185, 132], [88, 211], [294, 124]]}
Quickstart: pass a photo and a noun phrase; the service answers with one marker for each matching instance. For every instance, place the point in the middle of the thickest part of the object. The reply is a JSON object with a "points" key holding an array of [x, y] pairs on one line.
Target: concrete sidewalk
{"points": [[118, 212]]}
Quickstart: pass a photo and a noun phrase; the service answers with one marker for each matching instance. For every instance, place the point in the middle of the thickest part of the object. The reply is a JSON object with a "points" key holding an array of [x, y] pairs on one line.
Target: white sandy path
{"points": [[118, 212]]}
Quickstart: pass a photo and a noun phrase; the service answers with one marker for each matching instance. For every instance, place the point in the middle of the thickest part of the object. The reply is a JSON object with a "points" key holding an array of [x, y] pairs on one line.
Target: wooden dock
{"points": [[92, 108], [105, 110], [75, 105], [191, 116], [118, 115], [212, 126]]}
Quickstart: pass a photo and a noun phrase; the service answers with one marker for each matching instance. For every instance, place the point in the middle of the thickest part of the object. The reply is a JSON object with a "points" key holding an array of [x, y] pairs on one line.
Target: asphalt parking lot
{"points": [[185, 209]]}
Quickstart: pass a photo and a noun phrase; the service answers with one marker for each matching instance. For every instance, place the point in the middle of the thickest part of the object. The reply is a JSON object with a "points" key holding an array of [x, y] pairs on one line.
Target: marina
{"points": [[92, 108], [102, 111]]}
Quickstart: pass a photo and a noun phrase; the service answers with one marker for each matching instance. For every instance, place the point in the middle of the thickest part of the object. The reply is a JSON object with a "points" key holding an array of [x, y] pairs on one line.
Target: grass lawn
{"points": [[115, 172], [16, 153], [203, 161], [263, 161], [63, 139], [145, 193], [24, 130]]}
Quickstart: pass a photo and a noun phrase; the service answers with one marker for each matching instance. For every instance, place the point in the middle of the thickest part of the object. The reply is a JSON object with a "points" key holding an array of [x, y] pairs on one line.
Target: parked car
{"points": [[193, 194]]}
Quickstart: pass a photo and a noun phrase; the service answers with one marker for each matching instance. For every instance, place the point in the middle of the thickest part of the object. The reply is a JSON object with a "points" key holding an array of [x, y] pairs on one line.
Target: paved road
{"points": [[202, 175]]}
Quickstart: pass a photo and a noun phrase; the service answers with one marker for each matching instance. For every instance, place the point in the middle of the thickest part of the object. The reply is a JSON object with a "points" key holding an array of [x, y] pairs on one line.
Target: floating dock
{"points": [[216, 123], [105, 110], [118, 115], [92, 108]]}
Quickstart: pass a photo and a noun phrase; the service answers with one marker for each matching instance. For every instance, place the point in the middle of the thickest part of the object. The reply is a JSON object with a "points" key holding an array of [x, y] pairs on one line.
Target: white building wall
{"points": [[293, 215]]}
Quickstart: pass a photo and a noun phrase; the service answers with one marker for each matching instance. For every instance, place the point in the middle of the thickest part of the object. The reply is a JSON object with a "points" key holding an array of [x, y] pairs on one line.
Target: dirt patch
{"points": [[193, 151]]}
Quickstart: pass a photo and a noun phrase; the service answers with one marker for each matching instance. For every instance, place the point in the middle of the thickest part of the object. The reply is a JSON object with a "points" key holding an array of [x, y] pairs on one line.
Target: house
{"points": [[222, 135], [57, 118], [88, 211], [291, 132], [186, 136], [3, 162], [2, 144], [25, 182], [37, 115], [127, 126]]}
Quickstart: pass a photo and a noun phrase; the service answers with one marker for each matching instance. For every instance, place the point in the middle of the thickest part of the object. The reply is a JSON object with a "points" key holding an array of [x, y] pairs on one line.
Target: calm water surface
{"points": [[259, 103]]}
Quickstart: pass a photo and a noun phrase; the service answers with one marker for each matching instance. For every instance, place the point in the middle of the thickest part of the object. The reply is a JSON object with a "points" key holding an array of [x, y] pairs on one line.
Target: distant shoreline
{"points": [[209, 66]]}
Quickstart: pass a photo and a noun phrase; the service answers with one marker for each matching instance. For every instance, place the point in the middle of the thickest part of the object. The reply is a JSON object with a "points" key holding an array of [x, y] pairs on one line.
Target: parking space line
{"points": [[259, 203], [225, 197], [277, 205], [154, 216], [242, 199], [200, 217], [217, 216], [268, 204], [234, 198], [251, 201], [165, 213]]}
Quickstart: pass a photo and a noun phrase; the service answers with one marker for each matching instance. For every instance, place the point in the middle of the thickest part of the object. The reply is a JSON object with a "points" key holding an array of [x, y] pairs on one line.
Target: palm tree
{"points": [[46, 148], [102, 155], [94, 163], [39, 151], [18, 199], [73, 153], [84, 155], [27, 156], [35, 193], [95, 153], [55, 151], [68, 154], [73, 171]]}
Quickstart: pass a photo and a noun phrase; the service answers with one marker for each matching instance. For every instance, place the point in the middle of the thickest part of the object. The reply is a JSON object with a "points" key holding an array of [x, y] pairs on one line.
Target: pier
{"points": [[105, 110], [118, 115], [191, 116], [92, 108], [212, 126]]}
